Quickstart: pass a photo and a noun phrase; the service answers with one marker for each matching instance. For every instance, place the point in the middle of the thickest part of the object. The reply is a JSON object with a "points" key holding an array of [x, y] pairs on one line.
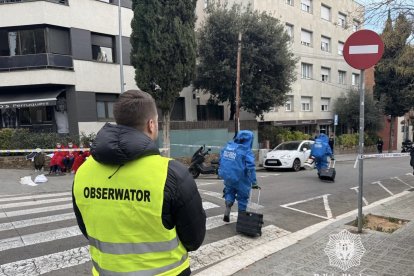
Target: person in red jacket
{"points": [[56, 163], [80, 158], [70, 156]]}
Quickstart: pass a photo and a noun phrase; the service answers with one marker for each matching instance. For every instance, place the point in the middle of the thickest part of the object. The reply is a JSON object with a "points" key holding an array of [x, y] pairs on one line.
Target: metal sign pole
{"points": [[121, 63], [361, 147]]}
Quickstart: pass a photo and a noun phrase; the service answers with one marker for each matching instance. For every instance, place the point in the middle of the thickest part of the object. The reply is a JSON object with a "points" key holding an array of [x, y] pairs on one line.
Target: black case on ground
{"points": [[329, 173], [250, 223]]}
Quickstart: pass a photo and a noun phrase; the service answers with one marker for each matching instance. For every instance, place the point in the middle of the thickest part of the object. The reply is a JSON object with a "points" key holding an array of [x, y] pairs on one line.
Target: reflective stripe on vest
{"points": [[150, 272], [123, 218], [133, 248]]}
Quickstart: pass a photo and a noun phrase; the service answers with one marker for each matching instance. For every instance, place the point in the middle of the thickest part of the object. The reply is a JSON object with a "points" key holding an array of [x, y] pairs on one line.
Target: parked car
{"points": [[292, 154]]}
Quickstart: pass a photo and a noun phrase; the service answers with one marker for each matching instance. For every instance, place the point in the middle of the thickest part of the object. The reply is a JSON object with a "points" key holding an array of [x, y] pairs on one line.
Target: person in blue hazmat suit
{"points": [[237, 169], [320, 152]]}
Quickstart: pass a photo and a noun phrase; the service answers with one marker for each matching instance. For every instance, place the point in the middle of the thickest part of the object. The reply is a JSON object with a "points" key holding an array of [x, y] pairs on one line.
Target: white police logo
{"points": [[344, 250]]}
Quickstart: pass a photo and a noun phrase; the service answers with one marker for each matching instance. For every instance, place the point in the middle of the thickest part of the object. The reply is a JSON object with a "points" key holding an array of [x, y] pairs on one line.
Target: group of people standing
{"points": [[67, 158]]}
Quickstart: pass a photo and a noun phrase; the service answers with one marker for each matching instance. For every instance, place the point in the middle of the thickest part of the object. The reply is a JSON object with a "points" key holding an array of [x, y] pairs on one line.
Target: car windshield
{"points": [[288, 146]]}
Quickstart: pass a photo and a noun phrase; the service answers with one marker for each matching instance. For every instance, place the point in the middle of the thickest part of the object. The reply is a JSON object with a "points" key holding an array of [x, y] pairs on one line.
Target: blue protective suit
{"points": [[320, 151], [239, 189]]}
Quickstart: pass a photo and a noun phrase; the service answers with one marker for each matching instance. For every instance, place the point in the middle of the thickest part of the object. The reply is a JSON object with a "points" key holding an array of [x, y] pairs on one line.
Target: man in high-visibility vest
{"points": [[141, 212]]}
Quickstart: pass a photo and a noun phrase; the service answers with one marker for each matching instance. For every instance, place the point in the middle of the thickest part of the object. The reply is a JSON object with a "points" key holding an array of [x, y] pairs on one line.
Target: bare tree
{"points": [[376, 11]]}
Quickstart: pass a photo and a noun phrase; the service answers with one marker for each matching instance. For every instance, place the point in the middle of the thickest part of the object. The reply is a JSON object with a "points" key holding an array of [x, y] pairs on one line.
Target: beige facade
{"points": [[318, 30]]}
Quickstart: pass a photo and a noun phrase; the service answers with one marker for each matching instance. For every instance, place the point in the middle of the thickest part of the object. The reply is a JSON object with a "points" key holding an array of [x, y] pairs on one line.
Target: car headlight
{"points": [[285, 156]]}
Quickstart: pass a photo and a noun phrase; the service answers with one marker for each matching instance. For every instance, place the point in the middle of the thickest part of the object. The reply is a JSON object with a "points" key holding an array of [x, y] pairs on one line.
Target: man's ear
{"points": [[151, 126]]}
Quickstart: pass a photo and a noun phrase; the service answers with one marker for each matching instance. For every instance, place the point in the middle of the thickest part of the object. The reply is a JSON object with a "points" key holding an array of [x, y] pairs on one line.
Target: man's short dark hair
{"points": [[134, 108]]}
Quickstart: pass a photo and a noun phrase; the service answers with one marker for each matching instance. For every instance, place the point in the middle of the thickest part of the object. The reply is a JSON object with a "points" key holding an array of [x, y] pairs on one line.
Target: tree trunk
{"points": [[391, 138], [166, 133], [232, 111]]}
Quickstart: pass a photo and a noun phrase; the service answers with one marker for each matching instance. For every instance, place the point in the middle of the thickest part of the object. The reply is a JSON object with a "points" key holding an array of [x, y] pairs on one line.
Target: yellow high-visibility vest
{"points": [[122, 216]]}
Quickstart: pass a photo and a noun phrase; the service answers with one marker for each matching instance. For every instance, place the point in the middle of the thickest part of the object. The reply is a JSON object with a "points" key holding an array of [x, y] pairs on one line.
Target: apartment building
{"points": [[59, 63], [318, 31]]}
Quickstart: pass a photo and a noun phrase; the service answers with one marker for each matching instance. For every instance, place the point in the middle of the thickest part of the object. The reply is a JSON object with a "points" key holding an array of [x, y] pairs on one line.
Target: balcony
{"points": [[36, 61], [63, 2]]}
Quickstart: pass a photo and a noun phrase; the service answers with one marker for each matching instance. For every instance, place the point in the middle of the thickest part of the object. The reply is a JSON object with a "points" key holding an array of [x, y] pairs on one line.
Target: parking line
{"points": [[382, 186]]}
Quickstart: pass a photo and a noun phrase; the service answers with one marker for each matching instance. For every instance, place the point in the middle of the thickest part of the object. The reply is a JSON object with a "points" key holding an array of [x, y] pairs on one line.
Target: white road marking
{"points": [[402, 181], [15, 198], [40, 237], [268, 174], [217, 221], [213, 194], [327, 209], [208, 205], [363, 49], [35, 221], [206, 183], [248, 257], [409, 174], [382, 186], [356, 189], [35, 202], [47, 263], [222, 249], [35, 210]]}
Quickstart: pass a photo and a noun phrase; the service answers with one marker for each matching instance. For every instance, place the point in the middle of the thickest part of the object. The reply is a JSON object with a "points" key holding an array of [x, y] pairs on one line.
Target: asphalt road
{"points": [[38, 232]]}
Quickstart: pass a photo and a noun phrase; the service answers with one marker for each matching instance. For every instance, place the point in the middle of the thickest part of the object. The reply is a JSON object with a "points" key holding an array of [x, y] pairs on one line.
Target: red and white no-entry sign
{"points": [[363, 49]]}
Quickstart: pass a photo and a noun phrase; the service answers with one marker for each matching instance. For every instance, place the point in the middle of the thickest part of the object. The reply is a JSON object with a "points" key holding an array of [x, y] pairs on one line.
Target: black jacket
{"points": [[182, 207]]}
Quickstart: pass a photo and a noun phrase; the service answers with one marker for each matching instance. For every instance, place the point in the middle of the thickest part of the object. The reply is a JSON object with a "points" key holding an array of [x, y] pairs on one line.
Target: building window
{"points": [[178, 112], [210, 112], [306, 5], [340, 48], [289, 30], [325, 74], [325, 104], [34, 41], [289, 104], [105, 110], [326, 13], [289, 2], [306, 38], [355, 26], [342, 77], [102, 48], [355, 79], [342, 20], [306, 71], [325, 44], [305, 103]]}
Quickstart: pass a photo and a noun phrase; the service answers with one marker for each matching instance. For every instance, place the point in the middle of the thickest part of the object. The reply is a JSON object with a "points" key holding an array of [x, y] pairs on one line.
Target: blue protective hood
{"points": [[244, 137], [323, 138]]}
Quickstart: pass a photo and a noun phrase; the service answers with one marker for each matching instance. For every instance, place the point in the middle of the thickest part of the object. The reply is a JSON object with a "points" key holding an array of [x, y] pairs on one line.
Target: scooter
{"points": [[198, 166], [406, 146]]}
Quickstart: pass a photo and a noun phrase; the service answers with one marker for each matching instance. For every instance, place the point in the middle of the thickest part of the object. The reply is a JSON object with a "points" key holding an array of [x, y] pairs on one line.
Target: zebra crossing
{"points": [[30, 223]]}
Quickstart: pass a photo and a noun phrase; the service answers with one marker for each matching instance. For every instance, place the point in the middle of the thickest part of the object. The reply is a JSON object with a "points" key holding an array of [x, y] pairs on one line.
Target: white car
{"points": [[292, 154]]}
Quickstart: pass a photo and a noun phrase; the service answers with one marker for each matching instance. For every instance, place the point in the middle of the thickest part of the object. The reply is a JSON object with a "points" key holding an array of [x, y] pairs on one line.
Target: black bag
{"points": [[250, 223], [328, 173]]}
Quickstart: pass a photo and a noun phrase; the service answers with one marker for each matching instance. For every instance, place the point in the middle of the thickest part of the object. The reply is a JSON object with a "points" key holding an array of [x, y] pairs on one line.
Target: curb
{"points": [[237, 263]]}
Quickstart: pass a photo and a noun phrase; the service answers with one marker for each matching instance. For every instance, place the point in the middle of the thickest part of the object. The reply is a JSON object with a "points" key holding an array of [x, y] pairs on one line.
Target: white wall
{"points": [[102, 77], [33, 77], [90, 15]]}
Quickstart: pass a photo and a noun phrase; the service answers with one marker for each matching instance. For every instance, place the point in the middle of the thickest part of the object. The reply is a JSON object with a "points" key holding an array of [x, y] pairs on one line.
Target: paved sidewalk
{"points": [[385, 255]]}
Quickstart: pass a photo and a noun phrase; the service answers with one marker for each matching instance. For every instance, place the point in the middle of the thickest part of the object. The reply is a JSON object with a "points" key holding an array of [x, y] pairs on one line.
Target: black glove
{"points": [[255, 186]]}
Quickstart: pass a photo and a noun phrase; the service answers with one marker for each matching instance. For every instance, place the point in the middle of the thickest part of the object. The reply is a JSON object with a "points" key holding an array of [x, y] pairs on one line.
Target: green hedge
{"points": [[277, 135], [24, 139]]}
